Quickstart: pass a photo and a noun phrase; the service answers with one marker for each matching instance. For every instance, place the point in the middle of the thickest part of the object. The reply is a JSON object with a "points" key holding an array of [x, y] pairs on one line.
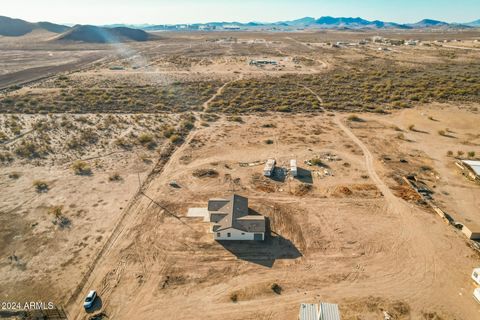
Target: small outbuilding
{"points": [[471, 230], [471, 168], [269, 168], [293, 168]]}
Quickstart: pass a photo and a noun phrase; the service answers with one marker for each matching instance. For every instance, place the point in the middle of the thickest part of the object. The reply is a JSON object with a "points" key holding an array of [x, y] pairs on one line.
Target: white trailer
{"points": [[476, 275], [293, 168], [269, 167], [476, 294]]}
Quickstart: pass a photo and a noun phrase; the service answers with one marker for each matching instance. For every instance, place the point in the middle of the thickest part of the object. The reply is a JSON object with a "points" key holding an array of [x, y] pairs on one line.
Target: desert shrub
{"points": [[60, 219], [204, 173], [269, 141], [411, 127], [115, 177], [168, 132], [442, 132], [471, 154], [460, 153], [235, 119], [123, 143], [28, 149], [6, 157], [276, 288], [188, 125], [14, 175], [284, 109], [40, 186], [234, 297], [355, 118], [269, 125], [3, 136], [145, 138], [317, 162], [81, 168], [209, 117], [175, 138], [449, 153]]}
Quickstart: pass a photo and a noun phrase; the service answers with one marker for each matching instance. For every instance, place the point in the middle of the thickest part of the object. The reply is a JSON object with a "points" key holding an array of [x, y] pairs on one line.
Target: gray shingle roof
{"points": [[236, 215]]}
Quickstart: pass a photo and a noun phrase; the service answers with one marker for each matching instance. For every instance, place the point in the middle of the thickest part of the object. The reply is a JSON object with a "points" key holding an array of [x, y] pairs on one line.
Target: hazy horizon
{"points": [[190, 11]]}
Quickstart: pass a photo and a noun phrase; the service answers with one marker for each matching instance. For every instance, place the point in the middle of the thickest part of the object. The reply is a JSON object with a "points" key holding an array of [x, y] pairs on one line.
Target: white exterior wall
{"points": [[234, 235]]}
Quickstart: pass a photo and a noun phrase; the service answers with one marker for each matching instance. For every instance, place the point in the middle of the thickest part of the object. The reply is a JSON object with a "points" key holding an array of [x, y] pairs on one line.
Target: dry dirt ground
{"points": [[346, 231], [348, 239]]}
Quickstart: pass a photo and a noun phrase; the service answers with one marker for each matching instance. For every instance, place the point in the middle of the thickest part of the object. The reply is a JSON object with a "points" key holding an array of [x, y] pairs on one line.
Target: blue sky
{"points": [[190, 11]]}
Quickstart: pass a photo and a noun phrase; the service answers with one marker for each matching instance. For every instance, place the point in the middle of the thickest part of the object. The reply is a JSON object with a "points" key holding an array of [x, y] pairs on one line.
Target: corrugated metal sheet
{"points": [[308, 311], [329, 311], [475, 165]]}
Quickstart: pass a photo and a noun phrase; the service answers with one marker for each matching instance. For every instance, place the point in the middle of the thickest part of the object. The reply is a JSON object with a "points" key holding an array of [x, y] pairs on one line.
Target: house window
{"points": [[229, 235], [219, 234]]}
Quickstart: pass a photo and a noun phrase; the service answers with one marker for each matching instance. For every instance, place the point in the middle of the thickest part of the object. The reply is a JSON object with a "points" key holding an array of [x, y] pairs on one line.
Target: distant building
{"points": [[232, 221], [231, 27], [262, 62]]}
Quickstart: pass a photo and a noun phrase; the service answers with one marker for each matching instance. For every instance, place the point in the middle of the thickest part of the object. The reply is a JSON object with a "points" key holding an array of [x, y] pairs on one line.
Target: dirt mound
{"points": [[93, 34], [261, 183], [406, 193], [205, 173], [302, 189], [376, 308], [255, 291], [341, 191], [356, 190]]}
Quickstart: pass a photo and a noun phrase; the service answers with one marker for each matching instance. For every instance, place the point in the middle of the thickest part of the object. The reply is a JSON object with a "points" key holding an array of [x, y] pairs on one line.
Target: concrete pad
{"points": [[198, 213]]}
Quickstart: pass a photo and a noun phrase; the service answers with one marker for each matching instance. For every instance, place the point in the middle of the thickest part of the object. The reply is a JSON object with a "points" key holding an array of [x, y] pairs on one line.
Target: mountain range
{"points": [[325, 22], [122, 32], [84, 33]]}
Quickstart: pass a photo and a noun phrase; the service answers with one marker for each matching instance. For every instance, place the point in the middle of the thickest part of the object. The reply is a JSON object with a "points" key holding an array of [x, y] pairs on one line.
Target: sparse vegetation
{"points": [[205, 173], [115, 177], [81, 168], [40, 185], [354, 118]]}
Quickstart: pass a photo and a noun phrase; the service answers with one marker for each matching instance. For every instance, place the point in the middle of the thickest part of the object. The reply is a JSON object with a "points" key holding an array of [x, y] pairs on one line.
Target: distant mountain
{"points": [[93, 34], [428, 23], [16, 27], [298, 22], [475, 23]]}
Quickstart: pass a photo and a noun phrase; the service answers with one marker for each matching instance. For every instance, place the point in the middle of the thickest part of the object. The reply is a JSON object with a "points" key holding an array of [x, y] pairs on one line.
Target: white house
{"points": [[232, 221]]}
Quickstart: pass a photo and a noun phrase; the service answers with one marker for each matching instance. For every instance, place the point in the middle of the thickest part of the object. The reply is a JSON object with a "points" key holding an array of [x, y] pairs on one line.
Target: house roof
{"points": [[237, 216]]}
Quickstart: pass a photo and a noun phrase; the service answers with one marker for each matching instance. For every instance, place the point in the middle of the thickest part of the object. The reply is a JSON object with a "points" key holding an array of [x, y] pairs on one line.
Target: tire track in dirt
{"points": [[219, 92], [167, 157], [408, 233]]}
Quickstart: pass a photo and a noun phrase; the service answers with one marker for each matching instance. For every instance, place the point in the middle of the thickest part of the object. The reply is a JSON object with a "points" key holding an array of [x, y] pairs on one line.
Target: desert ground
{"points": [[89, 153]]}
